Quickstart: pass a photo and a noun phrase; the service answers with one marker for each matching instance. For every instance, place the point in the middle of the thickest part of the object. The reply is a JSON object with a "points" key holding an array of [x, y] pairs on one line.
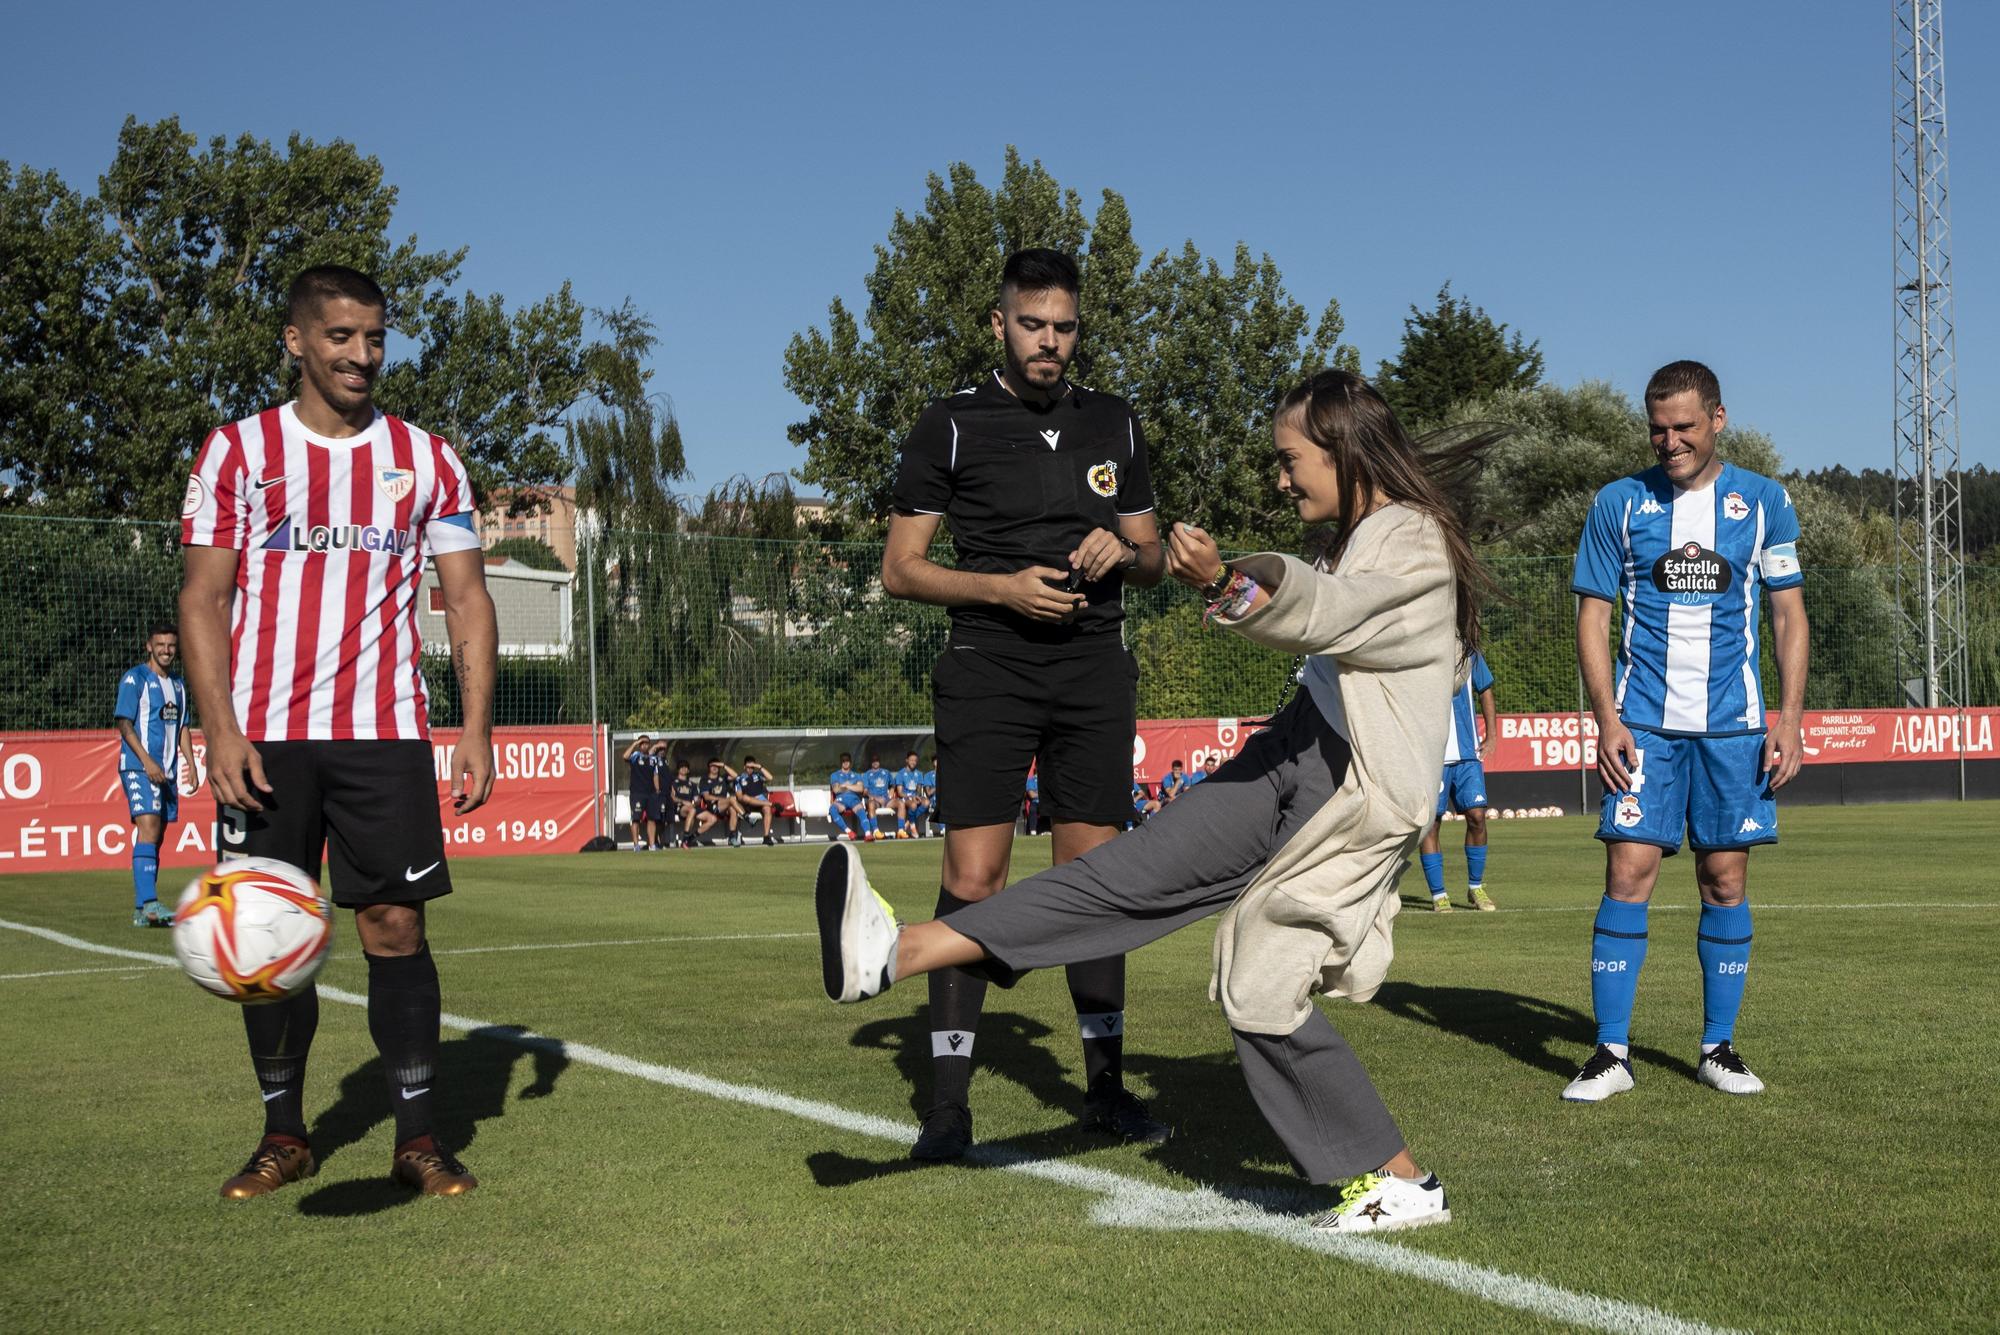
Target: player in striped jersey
{"points": [[1682, 745], [305, 531], [1464, 787], [151, 716]]}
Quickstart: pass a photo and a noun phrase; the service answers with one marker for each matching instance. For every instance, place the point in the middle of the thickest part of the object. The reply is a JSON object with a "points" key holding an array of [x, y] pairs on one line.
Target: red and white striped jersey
{"points": [[332, 535]]}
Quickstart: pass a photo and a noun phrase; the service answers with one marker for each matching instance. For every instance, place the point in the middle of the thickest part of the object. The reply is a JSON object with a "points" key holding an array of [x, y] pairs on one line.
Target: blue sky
{"points": [[1628, 184]]}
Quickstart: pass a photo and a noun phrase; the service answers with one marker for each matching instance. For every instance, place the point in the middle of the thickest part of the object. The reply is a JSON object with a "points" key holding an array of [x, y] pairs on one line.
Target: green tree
{"points": [[135, 320], [530, 552], [1452, 353], [1215, 350]]}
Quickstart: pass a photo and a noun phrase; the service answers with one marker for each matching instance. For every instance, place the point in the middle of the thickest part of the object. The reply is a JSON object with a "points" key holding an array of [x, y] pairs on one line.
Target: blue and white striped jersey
{"points": [[157, 707], [1687, 565], [1462, 742]]}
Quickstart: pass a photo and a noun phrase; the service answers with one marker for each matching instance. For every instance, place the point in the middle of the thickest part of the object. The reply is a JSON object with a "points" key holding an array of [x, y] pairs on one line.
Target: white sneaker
{"points": [[1605, 1074], [1720, 1068], [857, 928], [1379, 1202]]}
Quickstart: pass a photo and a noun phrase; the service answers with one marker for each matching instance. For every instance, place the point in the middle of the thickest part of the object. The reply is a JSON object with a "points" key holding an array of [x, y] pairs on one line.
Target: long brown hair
{"points": [[1371, 453]]}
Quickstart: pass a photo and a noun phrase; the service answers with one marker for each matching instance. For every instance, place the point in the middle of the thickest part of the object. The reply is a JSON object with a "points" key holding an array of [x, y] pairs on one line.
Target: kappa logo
{"points": [[1627, 813], [1649, 506], [1735, 507], [396, 483], [1104, 478], [1051, 437], [1749, 826]]}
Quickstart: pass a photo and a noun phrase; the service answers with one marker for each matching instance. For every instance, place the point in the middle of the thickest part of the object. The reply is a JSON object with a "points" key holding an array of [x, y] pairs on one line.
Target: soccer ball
{"points": [[252, 930]]}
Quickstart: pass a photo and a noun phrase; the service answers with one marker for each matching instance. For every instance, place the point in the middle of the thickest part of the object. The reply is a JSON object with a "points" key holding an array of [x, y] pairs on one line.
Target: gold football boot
{"points": [[434, 1172], [272, 1165]]}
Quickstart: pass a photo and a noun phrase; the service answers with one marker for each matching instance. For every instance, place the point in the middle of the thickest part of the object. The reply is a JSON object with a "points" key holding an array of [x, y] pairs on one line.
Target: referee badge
{"points": [[1104, 478], [396, 483]]}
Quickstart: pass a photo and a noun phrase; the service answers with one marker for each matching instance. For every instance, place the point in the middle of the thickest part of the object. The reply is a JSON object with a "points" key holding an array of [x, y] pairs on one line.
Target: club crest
{"points": [[1735, 506], [1627, 813], [396, 483], [1104, 478]]}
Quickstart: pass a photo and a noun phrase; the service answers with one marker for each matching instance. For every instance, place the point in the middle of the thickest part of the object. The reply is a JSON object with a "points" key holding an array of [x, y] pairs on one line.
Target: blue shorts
{"points": [[1463, 787], [847, 801], [143, 797], [1711, 790]]}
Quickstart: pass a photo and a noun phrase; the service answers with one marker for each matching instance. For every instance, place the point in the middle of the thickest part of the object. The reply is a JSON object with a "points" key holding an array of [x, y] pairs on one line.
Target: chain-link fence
{"points": [[691, 632]]}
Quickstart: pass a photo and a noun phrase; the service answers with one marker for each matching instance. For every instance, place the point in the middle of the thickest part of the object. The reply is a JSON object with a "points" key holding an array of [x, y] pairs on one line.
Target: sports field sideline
{"points": [[700, 1139]]}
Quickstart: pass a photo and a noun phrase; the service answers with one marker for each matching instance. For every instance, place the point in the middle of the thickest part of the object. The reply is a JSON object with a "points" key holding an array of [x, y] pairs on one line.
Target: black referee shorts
{"points": [[1070, 709], [370, 806]]}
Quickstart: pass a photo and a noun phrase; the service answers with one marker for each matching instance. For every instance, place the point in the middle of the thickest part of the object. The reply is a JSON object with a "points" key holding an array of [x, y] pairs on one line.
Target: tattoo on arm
{"points": [[462, 664]]}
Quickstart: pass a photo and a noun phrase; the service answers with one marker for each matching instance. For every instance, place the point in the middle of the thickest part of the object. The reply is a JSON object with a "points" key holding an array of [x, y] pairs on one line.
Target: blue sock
{"points": [[1617, 950], [1475, 864], [1433, 872], [867, 821], [1722, 943], [146, 876]]}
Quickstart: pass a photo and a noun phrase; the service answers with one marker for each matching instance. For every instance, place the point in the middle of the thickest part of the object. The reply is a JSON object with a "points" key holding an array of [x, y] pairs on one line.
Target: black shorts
{"points": [[1072, 710], [653, 807], [371, 807]]}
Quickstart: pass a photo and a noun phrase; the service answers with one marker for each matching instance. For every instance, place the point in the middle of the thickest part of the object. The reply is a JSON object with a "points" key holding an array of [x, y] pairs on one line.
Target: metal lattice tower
{"points": [[1930, 576]]}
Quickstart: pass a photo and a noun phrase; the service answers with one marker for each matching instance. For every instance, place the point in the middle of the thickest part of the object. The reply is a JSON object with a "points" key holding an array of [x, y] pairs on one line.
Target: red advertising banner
{"points": [[62, 809], [1542, 742]]}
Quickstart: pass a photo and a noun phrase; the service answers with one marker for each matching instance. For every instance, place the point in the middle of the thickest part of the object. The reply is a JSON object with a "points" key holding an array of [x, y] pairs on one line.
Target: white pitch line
{"points": [[66, 973], [1125, 1202]]}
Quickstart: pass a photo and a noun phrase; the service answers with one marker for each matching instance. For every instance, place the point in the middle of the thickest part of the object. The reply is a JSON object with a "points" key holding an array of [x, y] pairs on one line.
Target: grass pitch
{"points": [[1852, 1195]]}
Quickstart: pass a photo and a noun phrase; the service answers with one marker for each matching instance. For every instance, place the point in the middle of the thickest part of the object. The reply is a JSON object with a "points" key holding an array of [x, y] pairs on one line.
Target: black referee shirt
{"points": [[1021, 485]]}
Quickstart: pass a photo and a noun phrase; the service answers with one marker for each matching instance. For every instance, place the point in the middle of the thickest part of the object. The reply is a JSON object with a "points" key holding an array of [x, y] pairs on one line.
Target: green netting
{"points": [[698, 632]]}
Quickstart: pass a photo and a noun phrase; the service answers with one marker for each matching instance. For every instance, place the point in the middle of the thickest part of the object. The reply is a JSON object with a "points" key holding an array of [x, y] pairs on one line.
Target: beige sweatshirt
{"points": [[1317, 918]]}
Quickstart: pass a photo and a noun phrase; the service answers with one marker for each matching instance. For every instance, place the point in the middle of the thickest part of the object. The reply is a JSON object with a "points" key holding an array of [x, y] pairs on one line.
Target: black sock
{"points": [[957, 997], [281, 1034], [1098, 989], [403, 1008]]}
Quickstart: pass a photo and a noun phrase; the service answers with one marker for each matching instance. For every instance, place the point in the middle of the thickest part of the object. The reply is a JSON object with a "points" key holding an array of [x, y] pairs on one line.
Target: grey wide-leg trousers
{"points": [[1190, 862]]}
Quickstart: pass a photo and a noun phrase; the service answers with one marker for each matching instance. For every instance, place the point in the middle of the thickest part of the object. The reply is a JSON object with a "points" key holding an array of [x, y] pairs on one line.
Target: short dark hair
{"points": [[749, 760], [1179, 765], [682, 764], [1039, 270], [874, 759], [1680, 377], [325, 281], [715, 760], [163, 628], [844, 755]]}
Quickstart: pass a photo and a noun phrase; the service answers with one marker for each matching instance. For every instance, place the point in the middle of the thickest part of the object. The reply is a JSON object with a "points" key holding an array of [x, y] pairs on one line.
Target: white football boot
{"points": [[1380, 1202], [1720, 1068], [1605, 1074], [857, 928]]}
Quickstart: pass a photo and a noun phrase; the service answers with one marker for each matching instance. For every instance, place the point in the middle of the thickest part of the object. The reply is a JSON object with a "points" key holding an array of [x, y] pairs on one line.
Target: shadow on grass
{"points": [[1219, 1136], [1528, 1029], [475, 1072]]}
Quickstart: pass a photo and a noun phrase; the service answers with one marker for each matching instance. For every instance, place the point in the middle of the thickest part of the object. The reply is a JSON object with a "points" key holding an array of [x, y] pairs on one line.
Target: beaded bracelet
{"points": [[1236, 598]]}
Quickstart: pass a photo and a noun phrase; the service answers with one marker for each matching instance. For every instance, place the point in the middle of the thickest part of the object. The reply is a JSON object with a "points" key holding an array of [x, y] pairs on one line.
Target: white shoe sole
{"points": [[1598, 1090], [848, 917], [1391, 1225]]}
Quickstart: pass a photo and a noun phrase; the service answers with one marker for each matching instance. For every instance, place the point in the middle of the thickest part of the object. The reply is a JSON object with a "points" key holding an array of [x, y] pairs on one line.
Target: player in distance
{"points": [[1300, 838], [1464, 788], [154, 742], [1682, 746], [305, 530]]}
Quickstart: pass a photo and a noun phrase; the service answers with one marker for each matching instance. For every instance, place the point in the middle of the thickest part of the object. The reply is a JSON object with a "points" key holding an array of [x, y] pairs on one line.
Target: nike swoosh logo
{"points": [[273, 1094], [412, 1093], [409, 875], [266, 482]]}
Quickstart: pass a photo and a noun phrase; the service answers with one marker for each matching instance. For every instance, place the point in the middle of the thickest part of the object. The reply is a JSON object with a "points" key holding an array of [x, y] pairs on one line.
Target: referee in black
{"points": [[1051, 508]]}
